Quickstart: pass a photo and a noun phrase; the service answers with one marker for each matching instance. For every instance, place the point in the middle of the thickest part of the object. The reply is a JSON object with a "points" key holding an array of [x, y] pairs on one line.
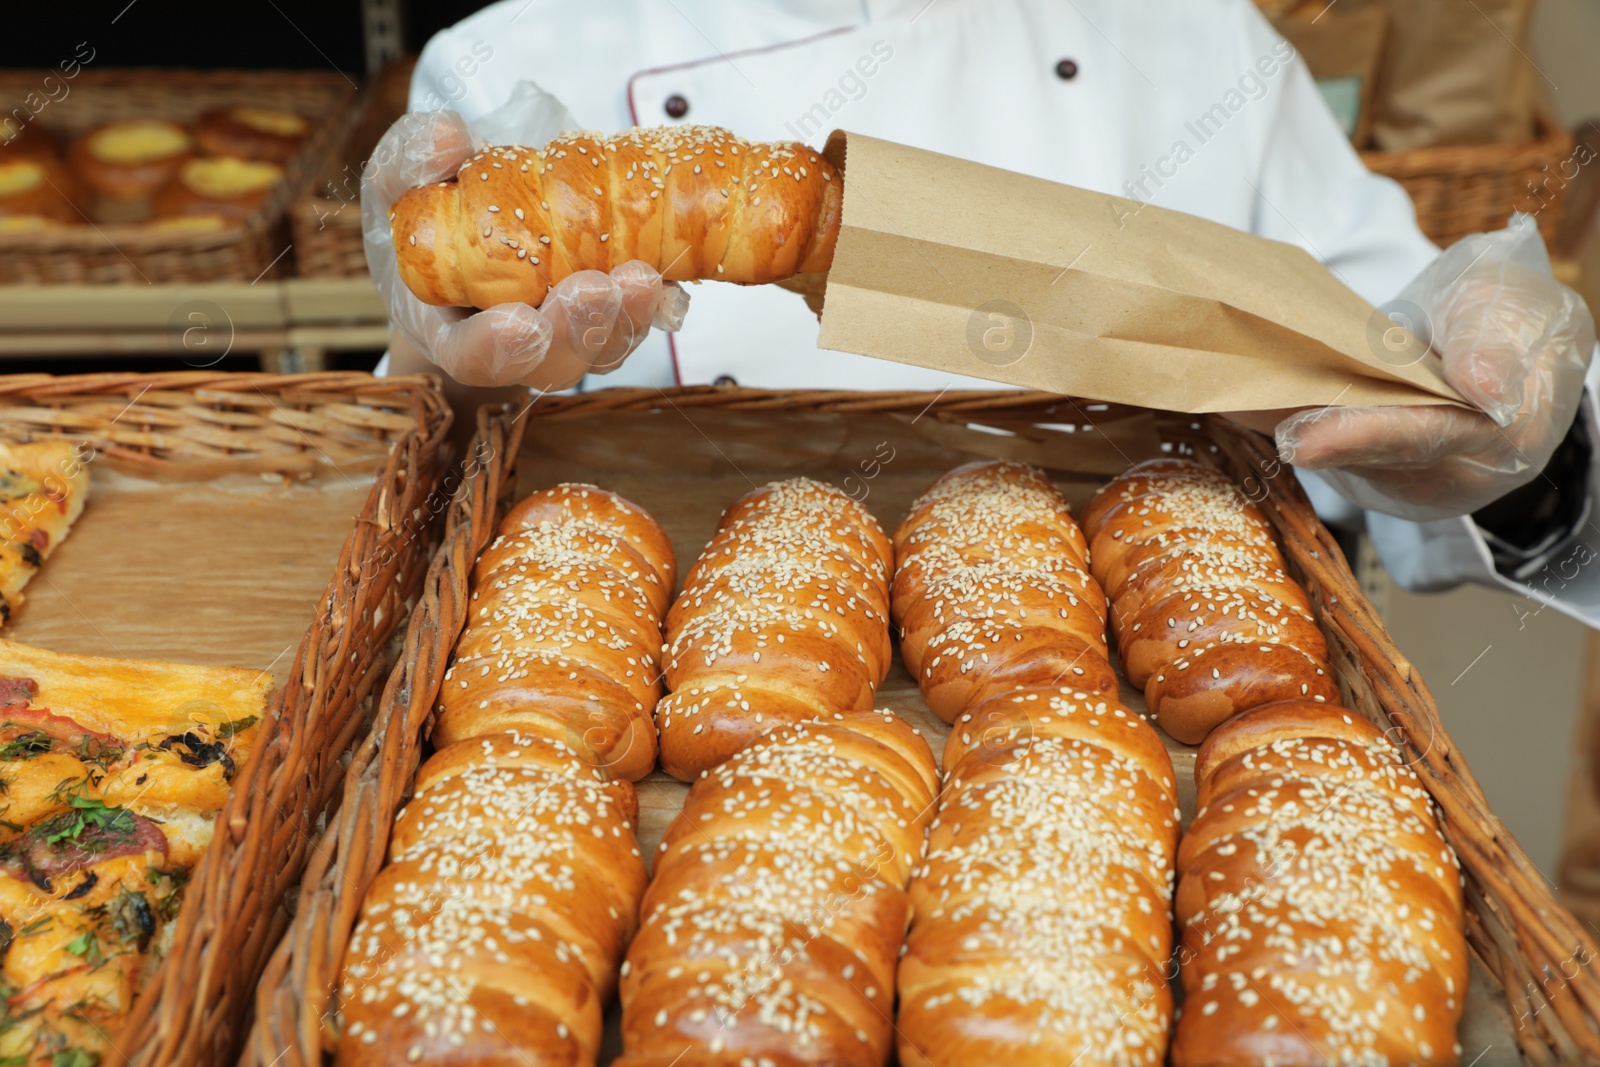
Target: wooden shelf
{"points": [[297, 320]]}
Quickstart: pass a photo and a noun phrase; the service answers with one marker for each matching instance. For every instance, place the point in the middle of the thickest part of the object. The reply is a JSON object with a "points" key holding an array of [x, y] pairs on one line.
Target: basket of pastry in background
{"points": [[326, 220], [183, 681], [123, 175], [393, 958]]}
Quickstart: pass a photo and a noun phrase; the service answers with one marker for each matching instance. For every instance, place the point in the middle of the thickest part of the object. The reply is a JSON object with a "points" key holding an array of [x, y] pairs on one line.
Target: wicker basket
{"points": [[1465, 189], [1524, 938], [326, 221], [176, 424], [133, 253]]}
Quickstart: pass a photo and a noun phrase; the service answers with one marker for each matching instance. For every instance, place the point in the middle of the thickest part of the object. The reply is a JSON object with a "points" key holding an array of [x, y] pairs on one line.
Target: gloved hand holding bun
{"points": [[588, 322], [1515, 343]]}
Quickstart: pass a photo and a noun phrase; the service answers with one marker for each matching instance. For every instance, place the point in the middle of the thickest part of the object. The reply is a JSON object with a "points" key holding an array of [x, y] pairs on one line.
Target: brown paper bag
{"points": [[1343, 50], [969, 269], [1455, 72]]}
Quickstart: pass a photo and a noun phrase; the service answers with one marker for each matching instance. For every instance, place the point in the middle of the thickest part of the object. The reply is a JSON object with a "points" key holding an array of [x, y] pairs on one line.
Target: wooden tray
{"points": [[219, 507], [685, 454]]}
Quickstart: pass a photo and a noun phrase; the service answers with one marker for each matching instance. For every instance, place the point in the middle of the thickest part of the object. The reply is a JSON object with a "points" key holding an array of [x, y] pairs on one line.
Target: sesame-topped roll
{"points": [[784, 617], [564, 634], [1043, 910], [770, 931], [694, 202], [1207, 620], [992, 590], [514, 876], [494, 933], [1320, 905]]}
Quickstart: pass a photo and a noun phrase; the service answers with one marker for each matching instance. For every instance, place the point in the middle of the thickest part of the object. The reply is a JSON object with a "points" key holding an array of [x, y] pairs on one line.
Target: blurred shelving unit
{"points": [[293, 323]]}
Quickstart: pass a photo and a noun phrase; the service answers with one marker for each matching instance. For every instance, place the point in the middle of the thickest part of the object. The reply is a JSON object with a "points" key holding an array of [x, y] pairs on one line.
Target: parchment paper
{"points": [[685, 467], [969, 269], [226, 572]]}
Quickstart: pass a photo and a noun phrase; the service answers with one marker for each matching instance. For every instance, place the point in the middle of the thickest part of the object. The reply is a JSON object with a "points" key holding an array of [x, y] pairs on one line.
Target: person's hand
{"points": [[1514, 342], [589, 322]]}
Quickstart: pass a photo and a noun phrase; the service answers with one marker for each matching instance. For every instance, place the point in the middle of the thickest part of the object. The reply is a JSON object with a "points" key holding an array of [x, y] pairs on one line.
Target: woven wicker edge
{"points": [[247, 247], [232, 913], [349, 855], [1515, 925], [1528, 940], [111, 408]]}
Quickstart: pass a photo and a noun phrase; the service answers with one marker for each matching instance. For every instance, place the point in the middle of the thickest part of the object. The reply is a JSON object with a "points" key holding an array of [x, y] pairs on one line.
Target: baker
{"points": [[1196, 106]]}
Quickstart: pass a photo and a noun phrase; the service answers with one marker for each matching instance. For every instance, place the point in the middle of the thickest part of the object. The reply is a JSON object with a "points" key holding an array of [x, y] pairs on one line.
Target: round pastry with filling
{"points": [[129, 160], [225, 188], [258, 133]]}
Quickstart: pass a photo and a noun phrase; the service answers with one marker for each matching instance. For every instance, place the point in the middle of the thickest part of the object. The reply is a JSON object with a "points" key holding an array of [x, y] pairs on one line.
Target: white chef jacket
{"points": [[1194, 105]]}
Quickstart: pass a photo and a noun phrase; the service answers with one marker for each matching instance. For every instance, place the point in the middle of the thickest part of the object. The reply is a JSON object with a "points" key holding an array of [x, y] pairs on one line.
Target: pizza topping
{"points": [[237, 726], [90, 880], [88, 832], [132, 918], [197, 752], [40, 539], [30, 555], [26, 732], [23, 743], [17, 692]]}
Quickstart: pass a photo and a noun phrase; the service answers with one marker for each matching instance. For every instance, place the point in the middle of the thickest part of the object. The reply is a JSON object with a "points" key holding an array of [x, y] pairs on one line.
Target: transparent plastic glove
{"points": [[1514, 342], [588, 323]]}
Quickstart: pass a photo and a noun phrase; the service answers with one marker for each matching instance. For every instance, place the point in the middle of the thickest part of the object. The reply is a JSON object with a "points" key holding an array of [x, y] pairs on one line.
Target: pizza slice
{"points": [[112, 774], [43, 486]]}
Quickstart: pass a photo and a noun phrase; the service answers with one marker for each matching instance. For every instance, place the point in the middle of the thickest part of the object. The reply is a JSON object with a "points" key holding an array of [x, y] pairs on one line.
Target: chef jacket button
{"points": [[1066, 70], [724, 379], [676, 106]]}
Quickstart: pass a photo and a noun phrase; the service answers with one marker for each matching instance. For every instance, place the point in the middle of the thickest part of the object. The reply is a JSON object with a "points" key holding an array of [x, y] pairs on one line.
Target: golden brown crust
{"points": [[114, 772], [129, 176], [192, 192], [1207, 620], [251, 133], [564, 636], [493, 934], [694, 202], [38, 186], [43, 488], [1043, 910], [784, 617], [773, 923], [992, 591], [1320, 905]]}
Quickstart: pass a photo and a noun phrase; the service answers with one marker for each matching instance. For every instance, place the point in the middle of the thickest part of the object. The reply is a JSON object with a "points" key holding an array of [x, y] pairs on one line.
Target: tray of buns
{"points": [[199, 578], [739, 726], [114, 175]]}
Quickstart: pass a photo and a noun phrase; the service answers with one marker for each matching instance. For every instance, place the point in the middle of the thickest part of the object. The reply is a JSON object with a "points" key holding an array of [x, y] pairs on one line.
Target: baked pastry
{"points": [[124, 163], [694, 202], [1043, 909], [114, 772], [1320, 906], [564, 639], [223, 188], [43, 487], [992, 590], [770, 931], [35, 187], [244, 132], [784, 617], [494, 933], [1208, 622], [514, 876]]}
